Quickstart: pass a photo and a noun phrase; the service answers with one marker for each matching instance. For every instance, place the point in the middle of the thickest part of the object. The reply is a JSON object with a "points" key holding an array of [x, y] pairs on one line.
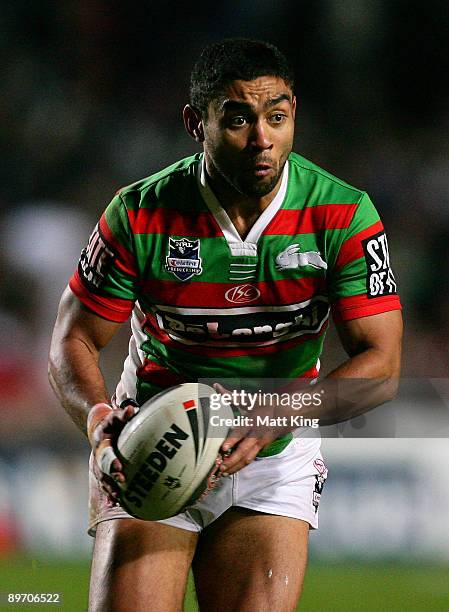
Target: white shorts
{"points": [[286, 484]]}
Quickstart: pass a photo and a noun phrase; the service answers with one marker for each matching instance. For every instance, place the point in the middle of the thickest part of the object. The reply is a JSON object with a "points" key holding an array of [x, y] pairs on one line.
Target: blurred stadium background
{"points": [[91, 99]]}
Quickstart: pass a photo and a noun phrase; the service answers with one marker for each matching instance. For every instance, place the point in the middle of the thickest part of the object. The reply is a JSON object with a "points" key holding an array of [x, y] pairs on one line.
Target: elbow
{"points": [[390, 388], [391, 377], [54, 357], [50, 372]]}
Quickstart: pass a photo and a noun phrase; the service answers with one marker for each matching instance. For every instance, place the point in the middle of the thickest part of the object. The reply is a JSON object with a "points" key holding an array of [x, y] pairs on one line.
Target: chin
{"points": [[259, 188]]}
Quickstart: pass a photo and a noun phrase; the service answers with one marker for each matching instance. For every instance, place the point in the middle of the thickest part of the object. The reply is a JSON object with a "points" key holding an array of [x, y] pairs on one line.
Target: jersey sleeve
{"points": [[106, 277], [362, 282]]}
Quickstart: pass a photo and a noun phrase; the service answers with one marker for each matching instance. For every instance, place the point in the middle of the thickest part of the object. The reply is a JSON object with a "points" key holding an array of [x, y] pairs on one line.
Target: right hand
{"points": [[104, 425]]}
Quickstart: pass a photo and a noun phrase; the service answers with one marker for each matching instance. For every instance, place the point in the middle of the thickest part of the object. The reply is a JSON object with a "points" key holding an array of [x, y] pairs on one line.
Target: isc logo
{"points": [[242, 294]]}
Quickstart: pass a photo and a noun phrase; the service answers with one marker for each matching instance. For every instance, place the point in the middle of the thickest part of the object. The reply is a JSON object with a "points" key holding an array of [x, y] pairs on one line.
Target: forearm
{"points": [[361, 383], [76, 378], [366, 380], [370, 376]]}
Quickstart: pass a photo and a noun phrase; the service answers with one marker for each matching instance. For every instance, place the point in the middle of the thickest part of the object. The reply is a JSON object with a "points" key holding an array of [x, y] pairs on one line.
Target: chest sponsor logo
{"points": [[183, 259], [380, 278], [245, 326], [242, 294], [293, 258]]}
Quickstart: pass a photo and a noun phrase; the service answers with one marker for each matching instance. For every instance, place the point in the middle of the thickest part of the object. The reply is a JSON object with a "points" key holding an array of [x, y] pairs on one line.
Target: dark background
{"points": [[91, 100]]}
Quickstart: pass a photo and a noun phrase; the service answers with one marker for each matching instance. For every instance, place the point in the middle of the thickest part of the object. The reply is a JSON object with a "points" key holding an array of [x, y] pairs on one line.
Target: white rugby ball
{"points": [[168, 451]]}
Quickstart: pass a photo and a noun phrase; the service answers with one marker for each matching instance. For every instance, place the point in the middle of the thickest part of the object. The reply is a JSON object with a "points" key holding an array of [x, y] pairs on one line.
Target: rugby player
{"points": [[230, 262]]}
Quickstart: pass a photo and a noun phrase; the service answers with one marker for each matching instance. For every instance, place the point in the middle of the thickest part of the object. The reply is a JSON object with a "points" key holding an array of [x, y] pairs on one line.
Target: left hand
{"points": [[243, 444]]}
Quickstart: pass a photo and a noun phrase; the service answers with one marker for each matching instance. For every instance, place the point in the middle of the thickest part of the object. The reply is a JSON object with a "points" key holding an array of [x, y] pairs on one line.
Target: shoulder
{"points": [[319, 184], [166, 187]]}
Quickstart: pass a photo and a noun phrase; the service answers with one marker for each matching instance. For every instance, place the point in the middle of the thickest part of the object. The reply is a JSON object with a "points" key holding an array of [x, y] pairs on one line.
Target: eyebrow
{"points": [[230, 105]]}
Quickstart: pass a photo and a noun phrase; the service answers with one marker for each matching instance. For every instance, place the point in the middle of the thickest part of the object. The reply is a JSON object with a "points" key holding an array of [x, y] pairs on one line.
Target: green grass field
{"points": [[341, 587]]}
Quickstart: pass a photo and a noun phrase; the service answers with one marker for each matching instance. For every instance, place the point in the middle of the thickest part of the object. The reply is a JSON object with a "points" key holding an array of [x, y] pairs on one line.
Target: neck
{"points": [[243, 210]]}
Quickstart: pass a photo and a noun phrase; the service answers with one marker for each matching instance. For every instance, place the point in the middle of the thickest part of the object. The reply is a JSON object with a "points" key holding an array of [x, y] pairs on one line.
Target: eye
{"points": [[238, 121], [278, 117]]}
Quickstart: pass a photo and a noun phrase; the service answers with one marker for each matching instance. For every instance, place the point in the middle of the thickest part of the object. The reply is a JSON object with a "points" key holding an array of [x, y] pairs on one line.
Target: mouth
{"points": [[262, 169]]}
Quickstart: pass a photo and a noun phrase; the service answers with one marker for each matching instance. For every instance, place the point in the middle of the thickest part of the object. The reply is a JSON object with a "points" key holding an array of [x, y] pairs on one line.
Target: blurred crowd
{"points": [[92, 99]]}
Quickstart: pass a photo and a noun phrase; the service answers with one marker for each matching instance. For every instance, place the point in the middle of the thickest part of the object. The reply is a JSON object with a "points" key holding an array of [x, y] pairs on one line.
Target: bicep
{"points": [[382, 332], [76, 322]]}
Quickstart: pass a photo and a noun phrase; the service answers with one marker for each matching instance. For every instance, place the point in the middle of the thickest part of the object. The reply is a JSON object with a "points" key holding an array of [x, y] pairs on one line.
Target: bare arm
{"points": [[373, 345], [74, 374], [370, 376]]}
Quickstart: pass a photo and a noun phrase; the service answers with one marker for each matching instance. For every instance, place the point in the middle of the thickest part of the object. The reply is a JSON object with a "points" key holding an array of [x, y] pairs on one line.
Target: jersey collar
{"points": [[235, 242]]}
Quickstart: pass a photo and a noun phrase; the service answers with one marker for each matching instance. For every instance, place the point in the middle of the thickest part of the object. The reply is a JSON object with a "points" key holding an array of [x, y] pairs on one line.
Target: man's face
{"points": [[248, 134]]}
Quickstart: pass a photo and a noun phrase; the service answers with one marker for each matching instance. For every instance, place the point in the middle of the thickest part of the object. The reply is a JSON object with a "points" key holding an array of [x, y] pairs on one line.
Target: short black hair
{"points": [[231, 59]]}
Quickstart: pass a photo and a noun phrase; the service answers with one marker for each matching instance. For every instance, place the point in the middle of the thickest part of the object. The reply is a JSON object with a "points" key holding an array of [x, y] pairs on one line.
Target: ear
{"points": [[193, 123]]}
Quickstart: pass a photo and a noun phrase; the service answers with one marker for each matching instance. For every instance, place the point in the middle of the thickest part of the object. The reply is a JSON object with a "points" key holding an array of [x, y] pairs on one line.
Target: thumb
{"points": [[105, 457], [219, 388]]}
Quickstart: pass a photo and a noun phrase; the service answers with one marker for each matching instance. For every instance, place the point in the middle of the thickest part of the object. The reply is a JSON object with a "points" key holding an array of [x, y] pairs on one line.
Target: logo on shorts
{"points": [[320, 479], [183, 259], [320, 466], [242, 294]]}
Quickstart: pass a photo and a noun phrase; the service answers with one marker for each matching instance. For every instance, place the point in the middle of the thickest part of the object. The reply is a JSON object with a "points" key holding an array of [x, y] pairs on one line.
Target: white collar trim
{"points": [[236, 244]]}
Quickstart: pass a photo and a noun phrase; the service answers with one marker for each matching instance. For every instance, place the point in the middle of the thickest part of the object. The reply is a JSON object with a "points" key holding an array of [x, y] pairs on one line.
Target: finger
{"points": [[112, 499], [234, 437], [125, 414], [110, 491], [245, 453], [130, 411], [110, 488], [236, 399], [116, 467], [119, 477], [116, 474], [244, 461], [219, 388], [106, 456], [118, 419], [237, 457]]}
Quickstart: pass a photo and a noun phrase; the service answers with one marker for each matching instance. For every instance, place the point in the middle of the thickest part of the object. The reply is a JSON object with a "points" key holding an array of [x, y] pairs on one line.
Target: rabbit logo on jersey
{"points": [[292, 258], [380, 278], [183, 259]]}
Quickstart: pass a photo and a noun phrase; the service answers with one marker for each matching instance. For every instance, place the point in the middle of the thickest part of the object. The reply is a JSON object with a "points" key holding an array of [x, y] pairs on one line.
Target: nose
{"points": [[259, 137]]}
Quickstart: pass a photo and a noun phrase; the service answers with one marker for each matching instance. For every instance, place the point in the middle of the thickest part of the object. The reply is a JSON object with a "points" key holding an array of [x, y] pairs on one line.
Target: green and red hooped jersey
{"points": [[207, 304]]}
